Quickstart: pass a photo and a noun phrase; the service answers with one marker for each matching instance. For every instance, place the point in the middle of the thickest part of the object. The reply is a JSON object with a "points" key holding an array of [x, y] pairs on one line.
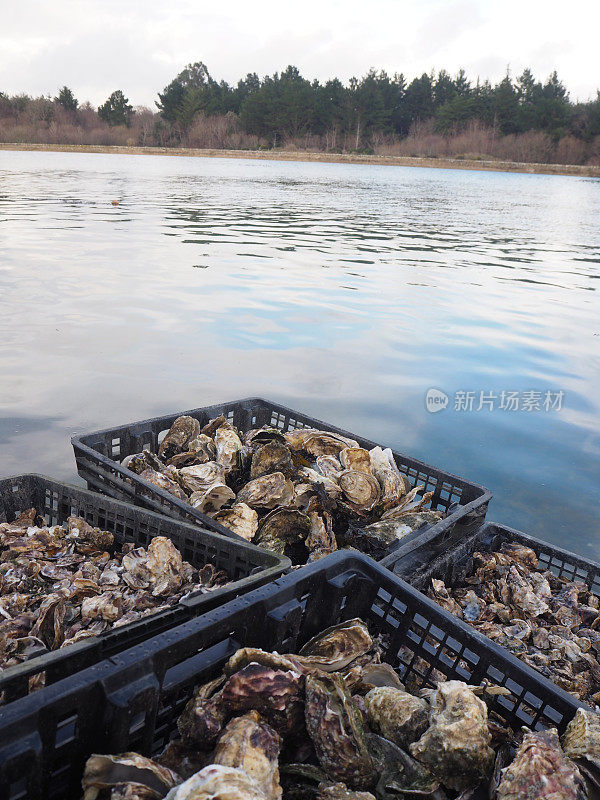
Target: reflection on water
{"points": [[345, 291]]}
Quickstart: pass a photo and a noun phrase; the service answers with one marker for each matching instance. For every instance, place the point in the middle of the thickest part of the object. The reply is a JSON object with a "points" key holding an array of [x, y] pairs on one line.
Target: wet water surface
{"points": [[344, 291]]}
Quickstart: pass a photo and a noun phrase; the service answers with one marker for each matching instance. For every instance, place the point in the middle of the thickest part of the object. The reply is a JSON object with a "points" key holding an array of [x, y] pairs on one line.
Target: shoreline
{"points": [[327, 158]]}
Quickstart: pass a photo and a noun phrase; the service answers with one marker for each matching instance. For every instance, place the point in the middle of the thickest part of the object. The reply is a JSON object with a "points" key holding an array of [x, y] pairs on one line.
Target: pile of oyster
{"points": [[65, 583], [335, 723], [303, 493], [548, 622]]}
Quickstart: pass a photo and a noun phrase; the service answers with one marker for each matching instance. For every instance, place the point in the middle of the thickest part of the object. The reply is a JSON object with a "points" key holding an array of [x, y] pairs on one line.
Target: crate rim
{"points": [[484, 498]]}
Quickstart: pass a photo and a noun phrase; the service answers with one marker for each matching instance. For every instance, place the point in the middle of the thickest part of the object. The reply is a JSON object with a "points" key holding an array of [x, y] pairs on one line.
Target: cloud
{"points": [[100, 45]]}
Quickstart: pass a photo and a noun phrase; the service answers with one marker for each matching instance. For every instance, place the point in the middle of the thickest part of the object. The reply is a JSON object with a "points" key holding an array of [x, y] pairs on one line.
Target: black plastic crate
{"points": [[451, 561], [99, 454], [131, 702], [246, 565]]}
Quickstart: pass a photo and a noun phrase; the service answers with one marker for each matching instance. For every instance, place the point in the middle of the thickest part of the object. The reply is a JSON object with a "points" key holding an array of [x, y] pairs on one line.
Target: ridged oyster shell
{"points": [[540, 770], [456, 745], [335, 726], [106, 771], [267, 491], [217, 782], [398, 716], [336, 647], [250, 744], [581, 738], [179, 434], [241, 519]]}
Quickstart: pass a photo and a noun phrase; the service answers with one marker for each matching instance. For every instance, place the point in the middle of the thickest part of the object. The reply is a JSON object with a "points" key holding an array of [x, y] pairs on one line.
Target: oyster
{"points": [[253, 655], [311, 476], [138, 462], [213, 498], [275, 693], [241, 519], [204, 715], [318, 443], [334, 724], [581, 739], [321, 538], [355, 459], [103, 772], [249, 744], [228, 445], [336, 647], [165, 567], [267, 492], [398, 716], [360, 489], [541, 770], [271, 457], [397, 772], [393, 484], [376, 539], [216, 782], [179, 434], [456, 745], [329, 466], [283, 529], [163, 482], [200, 477]]}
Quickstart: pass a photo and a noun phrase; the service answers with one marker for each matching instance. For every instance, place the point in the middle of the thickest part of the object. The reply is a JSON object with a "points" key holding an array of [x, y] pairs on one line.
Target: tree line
{"points": [[375, 113]]}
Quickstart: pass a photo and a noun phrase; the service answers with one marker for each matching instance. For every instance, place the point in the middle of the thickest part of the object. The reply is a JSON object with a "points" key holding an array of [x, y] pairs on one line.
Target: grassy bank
{"points": [[333, 158]]}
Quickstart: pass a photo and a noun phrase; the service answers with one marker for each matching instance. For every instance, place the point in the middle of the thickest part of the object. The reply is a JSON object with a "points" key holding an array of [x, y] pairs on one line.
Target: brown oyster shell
{"points": [[275, 693], [329, 466], [268, 491], [360, 489], [250, 744], [271, 457], [334, 724], [179, 434], [165, 567], [540, 770], [228, 445], [393, 484], [253, 655], [213, 498], [581, 738], [318, 443], [240, 518], [396, 715], [204, 716], [216, 782], [282, 529], [105, 771], [79, 528], [337, 646], [339, 791], [356, 458], [321, 537], [200, 477], [163, 482], [456, 745]]}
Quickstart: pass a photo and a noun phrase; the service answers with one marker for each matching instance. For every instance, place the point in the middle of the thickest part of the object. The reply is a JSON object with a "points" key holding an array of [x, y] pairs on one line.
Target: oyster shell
{"points": [[213, 498], [250, 744], [283, 529], [163, 482], [79, 528], [376, 675], [165, 567], [311, 476], [456, 745], [360, 489], [254, 655], [541, 770], [393, 484], [334, 724], [204, 715], [398, 716], [267, 492], [581, 738], [107, 605], [275, 693], [356, 459], [318, 443], [337, 646], [200, 477], [103, 772], [216, 782], [321, 538], [271, 457], [228, 445], [377, 538], [330, 467], [241, 519], [138, 462], [339, 791], [179, 434], [398, 772]]}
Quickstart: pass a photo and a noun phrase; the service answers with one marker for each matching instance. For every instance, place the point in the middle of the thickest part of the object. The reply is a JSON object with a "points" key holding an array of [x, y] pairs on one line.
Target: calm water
{"points": [[344, 291]]}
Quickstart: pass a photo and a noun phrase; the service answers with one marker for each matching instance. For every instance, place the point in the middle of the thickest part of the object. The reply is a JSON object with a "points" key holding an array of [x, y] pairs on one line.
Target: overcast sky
{"points": [[97, 46]]}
